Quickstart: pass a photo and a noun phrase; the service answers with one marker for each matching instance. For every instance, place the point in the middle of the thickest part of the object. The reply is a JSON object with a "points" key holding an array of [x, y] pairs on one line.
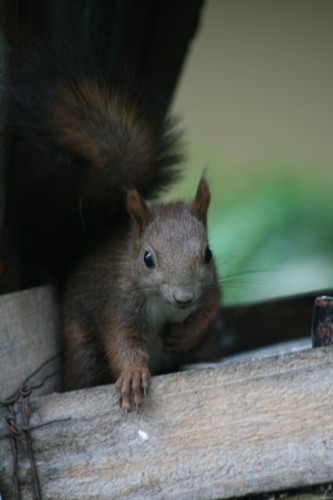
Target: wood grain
{"points": [[215, 433], [28, 337]]}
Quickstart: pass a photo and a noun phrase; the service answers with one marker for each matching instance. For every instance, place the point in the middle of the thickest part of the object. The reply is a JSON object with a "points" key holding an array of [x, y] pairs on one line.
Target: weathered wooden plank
{"points": [[226, 431], [28, 337]]}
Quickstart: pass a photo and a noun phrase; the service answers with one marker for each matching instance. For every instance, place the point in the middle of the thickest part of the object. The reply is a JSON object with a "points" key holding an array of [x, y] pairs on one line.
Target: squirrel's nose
{"points": [[183, 297]]}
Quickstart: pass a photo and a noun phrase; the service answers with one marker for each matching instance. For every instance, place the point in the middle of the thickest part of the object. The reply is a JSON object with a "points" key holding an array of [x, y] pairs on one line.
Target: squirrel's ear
{"points": [[138, 209], [199, 206]]}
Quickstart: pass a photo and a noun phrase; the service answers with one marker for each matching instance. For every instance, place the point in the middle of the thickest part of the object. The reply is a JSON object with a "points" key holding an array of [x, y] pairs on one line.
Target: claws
{"points": [[132, 384]]}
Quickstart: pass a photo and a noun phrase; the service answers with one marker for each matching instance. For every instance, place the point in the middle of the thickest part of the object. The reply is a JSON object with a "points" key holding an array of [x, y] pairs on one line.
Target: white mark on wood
{"points": [[143, 435]]}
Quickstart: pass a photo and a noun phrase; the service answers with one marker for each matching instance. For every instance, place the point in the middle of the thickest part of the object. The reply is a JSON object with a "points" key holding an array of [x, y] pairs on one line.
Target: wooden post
{"points": [[28, 337], [322, 322]]}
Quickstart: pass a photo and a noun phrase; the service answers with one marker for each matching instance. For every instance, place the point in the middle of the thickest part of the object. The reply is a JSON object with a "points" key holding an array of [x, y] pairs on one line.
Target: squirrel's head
{"points": [[173, 260]]}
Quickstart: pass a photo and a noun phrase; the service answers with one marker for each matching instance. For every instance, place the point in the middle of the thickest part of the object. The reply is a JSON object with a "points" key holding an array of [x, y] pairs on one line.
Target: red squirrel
{"points": [[142, 287], [156, 279]]}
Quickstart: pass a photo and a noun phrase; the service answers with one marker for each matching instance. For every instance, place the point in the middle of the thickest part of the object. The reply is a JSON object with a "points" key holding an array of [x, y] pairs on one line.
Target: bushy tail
{"points": [[78, 143], [112, 132]]}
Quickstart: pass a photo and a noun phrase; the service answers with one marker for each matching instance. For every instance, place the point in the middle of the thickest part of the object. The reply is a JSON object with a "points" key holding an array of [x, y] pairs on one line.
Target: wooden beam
{"points": [[228, 431]]}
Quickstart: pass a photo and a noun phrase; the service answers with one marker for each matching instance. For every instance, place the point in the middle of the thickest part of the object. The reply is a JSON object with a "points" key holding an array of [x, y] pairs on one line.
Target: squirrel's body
{"points": [[138, 275], [153, 286]]}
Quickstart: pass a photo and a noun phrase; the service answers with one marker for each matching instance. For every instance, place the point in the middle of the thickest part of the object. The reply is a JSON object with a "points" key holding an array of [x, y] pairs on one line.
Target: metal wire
{"points": [[21, 437]]}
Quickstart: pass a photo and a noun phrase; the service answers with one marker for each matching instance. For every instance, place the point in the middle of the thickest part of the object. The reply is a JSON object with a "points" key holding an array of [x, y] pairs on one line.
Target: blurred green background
{"points": [[256, 102]]}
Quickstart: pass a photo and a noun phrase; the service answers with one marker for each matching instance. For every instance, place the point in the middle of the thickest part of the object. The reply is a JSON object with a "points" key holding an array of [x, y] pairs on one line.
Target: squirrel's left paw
{"points": [[132, 383]]}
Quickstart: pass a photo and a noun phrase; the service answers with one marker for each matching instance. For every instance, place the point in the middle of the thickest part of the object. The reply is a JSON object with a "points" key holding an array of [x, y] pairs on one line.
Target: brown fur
{"points": [[104, 113], [109, 305]]}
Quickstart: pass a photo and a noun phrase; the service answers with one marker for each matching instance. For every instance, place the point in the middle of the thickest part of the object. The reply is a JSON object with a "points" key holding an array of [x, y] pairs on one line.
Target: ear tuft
{"points": [[138, 209], [199, 206]]}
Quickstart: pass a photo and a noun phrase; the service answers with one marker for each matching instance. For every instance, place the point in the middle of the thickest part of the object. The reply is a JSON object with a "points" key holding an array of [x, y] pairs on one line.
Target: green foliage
{"points": [[270, 227]]}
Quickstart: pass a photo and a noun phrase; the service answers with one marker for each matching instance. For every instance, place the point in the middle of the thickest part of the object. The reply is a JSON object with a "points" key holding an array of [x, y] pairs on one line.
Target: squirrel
{"points": [[139, 287], [155, 279]]}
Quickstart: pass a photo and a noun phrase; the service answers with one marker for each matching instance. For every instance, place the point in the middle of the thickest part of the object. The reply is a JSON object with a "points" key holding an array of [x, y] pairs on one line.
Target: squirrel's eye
{"points": [[149, 260], [208, 255]]}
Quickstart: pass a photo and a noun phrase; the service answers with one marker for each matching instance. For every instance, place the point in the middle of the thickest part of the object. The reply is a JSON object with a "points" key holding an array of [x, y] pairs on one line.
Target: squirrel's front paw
{"points": [[180, 338], [132, 383]]}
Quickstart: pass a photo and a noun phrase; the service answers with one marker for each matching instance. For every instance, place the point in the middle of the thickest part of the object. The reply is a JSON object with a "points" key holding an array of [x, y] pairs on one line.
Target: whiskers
{"points": [[251, 284]]}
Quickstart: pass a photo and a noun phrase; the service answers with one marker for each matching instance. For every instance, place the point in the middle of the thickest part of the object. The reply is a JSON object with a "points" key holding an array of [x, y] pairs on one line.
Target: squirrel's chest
{"points": [[160, 312]]}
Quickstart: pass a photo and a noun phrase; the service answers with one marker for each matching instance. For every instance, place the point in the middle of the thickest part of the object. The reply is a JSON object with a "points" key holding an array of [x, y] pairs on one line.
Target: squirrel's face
{"points": [[174, 261]]}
